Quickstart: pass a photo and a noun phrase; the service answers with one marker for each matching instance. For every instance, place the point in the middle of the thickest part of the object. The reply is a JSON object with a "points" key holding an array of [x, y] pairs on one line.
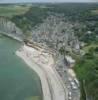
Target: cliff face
{"points": [[54, 32], [9, 28]]}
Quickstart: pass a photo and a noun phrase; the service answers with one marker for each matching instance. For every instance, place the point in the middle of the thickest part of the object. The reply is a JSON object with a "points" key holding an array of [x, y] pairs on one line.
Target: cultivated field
{"points": [[12, 10]]}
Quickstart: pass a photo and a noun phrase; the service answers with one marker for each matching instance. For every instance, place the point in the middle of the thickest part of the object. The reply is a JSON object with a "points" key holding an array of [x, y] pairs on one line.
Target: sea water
{"points": [[17, 80]]}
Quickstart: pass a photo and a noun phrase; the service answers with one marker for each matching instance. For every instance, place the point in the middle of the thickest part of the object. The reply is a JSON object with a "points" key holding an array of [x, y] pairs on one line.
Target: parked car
{"points": [[74, 86], [69, 95], [77, 82]]}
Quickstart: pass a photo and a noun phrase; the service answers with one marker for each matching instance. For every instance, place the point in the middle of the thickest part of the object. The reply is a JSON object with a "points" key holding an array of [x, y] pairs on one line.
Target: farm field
{"points": [[7, 11]]}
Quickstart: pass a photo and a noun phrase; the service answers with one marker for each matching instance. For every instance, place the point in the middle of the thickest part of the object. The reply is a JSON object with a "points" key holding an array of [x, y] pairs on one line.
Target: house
{"points": [[70, 60]]}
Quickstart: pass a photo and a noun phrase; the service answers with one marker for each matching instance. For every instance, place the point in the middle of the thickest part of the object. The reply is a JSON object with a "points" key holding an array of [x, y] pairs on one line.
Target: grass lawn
{"points": [[94, 12], [86, 48], [12, 10]]}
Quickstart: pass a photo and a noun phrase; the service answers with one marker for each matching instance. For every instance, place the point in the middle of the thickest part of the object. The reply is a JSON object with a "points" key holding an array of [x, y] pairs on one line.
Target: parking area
{"points": [[70, 81]]}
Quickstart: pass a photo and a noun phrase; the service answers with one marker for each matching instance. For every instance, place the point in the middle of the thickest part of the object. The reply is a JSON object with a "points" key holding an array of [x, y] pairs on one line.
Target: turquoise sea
{"points": [[17, 80]]}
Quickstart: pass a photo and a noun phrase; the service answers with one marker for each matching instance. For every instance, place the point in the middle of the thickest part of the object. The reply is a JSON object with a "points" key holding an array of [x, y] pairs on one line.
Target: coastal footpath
{"points": [[53, 87]]}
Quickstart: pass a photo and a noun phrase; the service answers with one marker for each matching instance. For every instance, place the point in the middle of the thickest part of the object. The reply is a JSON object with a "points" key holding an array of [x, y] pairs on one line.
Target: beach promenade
{"points": [[42, 63]]}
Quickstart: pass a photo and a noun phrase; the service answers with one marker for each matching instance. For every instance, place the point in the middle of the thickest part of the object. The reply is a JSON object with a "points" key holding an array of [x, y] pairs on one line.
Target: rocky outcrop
{"points": [[10, 29]]}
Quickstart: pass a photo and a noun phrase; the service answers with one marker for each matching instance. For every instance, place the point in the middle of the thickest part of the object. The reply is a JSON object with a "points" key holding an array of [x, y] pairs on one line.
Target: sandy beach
{"points": [[42, 63]]}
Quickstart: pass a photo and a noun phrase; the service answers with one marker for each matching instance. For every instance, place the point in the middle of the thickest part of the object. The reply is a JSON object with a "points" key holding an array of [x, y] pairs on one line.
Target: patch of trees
{"points": [[96, 49], [71, 12], [34, 16], [87, 67], [87, 70], [74, 12]]}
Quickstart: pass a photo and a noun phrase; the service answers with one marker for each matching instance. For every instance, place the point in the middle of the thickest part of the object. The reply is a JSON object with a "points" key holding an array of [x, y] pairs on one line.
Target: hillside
{"points": [[68, 29]]}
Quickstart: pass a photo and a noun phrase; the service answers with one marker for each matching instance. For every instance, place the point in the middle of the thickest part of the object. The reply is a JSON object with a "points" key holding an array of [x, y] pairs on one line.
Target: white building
{"points": [[70, 60]]}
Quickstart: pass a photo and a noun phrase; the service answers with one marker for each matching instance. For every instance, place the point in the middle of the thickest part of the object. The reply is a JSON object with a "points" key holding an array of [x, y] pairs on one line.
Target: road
{"points": [[68, 79]]}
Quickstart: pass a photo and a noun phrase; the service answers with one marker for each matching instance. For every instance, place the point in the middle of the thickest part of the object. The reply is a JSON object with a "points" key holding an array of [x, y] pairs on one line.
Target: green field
{"points": [[86, 69], [94, 12], [86, 49], [12, 10]]}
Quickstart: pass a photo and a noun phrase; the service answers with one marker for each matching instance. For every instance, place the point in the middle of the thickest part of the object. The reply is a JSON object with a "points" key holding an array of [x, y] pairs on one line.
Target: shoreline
{"points": [[52, 86], [44, 85], [40, 73], [11, 36]]}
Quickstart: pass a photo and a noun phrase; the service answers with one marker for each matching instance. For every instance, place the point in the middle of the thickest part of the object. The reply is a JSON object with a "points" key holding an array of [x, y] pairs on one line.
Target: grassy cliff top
{"points": [[13, 10]]}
